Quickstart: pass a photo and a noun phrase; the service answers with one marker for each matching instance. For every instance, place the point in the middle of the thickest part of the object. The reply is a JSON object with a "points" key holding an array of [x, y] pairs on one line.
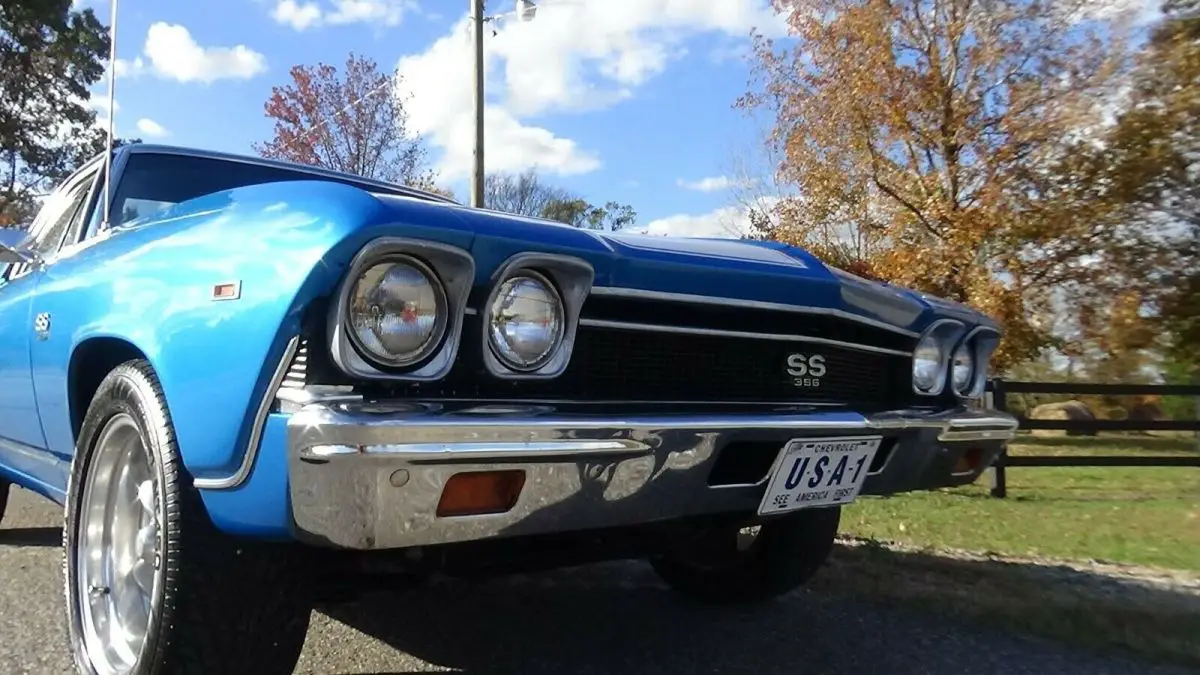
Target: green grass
{"points": [[1148, 516]]}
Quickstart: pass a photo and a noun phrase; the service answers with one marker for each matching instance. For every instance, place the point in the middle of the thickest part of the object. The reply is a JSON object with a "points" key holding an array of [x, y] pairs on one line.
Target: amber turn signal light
{"points": [[969, 461], [477, 493]]}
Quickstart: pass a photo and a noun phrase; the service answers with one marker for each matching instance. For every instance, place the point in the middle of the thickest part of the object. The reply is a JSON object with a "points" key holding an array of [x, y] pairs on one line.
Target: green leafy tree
{"points": [[522, 193], [1154, 157], [580, 213], [50, 54]]}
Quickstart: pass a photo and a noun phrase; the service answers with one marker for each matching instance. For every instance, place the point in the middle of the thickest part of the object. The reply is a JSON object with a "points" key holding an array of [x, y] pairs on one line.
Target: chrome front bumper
{"points": [[368, 475]]}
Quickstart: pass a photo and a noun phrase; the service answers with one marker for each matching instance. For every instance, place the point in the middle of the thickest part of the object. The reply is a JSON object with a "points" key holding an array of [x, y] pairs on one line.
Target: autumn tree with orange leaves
{"points": [[946, 145], [353, 121]]}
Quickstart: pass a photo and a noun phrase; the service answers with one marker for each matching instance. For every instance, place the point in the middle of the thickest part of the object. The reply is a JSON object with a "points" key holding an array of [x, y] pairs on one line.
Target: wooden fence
{"points": [[1000, 389]]}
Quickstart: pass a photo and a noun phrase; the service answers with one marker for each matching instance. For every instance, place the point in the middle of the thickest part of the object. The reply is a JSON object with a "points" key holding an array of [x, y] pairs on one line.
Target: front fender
{"points": [[152, 285]]}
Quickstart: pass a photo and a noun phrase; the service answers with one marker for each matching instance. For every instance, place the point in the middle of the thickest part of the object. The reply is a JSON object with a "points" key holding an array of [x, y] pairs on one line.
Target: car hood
{"points": [[737, 269]]}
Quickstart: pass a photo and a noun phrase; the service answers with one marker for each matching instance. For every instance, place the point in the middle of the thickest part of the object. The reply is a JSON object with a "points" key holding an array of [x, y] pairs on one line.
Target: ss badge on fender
{"points": [[806, 370]]}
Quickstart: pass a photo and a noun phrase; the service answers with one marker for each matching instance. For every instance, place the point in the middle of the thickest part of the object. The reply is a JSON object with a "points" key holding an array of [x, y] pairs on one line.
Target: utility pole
{"points": [[477, 167]]}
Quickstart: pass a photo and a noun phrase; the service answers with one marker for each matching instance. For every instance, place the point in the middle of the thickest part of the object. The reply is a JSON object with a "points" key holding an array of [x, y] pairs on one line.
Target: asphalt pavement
{"points": [[612, 618]]}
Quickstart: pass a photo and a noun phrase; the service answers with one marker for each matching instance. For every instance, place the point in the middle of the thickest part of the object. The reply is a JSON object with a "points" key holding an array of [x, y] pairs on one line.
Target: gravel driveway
{"points": [[601, 619]]}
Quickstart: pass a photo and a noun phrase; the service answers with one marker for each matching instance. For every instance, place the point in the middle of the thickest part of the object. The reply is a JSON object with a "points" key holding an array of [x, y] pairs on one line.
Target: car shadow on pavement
{"points": [[47, 537], [617, 618]]}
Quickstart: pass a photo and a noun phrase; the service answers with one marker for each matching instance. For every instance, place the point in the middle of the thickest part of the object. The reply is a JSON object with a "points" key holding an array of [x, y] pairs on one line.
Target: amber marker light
{"points": [[478, 493], [229, 291], [969, 461]]}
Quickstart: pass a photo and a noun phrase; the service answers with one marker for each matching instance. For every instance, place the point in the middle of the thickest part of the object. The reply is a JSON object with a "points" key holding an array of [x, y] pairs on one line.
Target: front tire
{"points": [[152, 587], [727, 566]]}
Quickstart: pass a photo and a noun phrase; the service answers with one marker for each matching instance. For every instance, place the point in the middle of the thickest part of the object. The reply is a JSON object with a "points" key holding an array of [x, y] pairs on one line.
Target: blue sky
{"points": [[629, 100]]}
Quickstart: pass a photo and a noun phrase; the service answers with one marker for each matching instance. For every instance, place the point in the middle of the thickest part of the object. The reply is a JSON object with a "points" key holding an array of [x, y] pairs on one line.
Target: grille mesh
{"points": [[611, 364]]}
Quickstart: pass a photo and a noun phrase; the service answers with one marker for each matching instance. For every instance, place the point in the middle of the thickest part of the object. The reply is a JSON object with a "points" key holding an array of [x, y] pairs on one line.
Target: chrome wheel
{"points": [[118, 571]]}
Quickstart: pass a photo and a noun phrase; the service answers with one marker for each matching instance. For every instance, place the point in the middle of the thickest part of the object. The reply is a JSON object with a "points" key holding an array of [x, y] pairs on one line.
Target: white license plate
{"points": [[819, 472]]}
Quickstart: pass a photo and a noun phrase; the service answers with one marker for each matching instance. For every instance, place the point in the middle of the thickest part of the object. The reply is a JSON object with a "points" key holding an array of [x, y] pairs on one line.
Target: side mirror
{"points": [[17, 255]]}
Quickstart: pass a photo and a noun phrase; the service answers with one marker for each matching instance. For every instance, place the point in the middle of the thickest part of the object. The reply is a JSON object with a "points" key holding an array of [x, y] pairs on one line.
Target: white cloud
{"points": [[297, 15], [569, 53], [174, 54], [149, 127], [710, 184], [728, 222], [1139, 11], [301, 15], [574, 57], [441, 109], [130, 68]]}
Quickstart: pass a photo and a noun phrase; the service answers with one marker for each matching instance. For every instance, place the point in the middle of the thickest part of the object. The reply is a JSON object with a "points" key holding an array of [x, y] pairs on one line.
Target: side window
{"points": [[49, 231]]}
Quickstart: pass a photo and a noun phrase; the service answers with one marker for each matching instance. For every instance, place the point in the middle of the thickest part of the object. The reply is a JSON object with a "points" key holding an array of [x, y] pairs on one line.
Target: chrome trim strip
{"points": [[441, 453], [617, 291], [317, 394], [260, 421], [527, 425], [28, 451], [983, 420], [969, 435], [623, 325], [300, 397]]}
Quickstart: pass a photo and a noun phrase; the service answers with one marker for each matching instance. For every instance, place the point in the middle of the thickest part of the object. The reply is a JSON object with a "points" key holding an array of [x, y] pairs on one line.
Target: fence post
{"points": [[1198, 420], [999, 478]]}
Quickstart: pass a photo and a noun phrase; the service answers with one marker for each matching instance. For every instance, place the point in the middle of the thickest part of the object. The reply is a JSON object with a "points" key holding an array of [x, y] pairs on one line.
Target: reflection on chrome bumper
{"points": [[370, 475]]}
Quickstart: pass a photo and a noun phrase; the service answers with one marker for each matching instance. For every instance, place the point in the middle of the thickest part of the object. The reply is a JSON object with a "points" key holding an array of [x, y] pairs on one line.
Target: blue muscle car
{"points": [[252, 383]]}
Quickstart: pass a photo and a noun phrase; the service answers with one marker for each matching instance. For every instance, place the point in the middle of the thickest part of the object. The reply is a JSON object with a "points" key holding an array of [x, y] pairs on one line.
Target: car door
{"points": [[22, 442]]}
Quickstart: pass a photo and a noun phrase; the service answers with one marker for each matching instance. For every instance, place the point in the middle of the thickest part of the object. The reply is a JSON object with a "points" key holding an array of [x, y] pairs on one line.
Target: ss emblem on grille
{"points": [[806, 370]]}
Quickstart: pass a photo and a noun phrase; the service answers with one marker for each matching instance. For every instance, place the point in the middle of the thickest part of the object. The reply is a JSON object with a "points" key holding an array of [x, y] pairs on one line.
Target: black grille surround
{"points": [[621, 365]]}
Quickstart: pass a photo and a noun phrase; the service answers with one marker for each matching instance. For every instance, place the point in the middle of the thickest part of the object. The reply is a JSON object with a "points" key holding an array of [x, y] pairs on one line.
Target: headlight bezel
{"points": [[965, 349], [451, 267], [571, 278], [441, 319], [982, 341], [945, 333]]}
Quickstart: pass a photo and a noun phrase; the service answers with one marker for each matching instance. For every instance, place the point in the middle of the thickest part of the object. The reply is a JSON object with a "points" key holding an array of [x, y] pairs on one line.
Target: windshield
{"points": [[151, 182]]}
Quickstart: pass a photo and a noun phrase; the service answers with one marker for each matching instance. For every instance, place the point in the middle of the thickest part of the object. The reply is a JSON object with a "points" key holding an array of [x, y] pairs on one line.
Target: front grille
{"points": [[623, 365], [614, 364]]}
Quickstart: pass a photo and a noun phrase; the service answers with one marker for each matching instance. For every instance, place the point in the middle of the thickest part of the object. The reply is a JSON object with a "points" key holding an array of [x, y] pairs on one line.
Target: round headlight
{"points": [[525, 321], [962, 368], [397, 312], [927, 363]]}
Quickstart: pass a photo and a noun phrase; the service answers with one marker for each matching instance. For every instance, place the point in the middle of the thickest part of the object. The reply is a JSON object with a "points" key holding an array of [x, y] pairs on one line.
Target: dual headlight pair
{"points": [[399, 311], [967, 363]]}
